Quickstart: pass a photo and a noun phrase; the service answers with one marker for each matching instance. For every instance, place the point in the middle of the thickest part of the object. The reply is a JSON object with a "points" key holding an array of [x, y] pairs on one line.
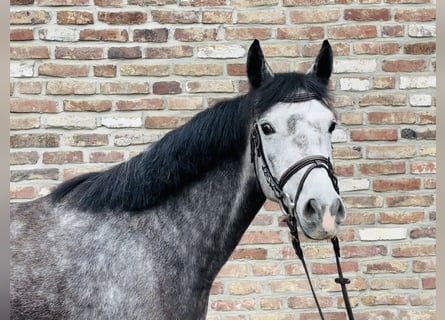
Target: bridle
{"points": [[288, 205]]}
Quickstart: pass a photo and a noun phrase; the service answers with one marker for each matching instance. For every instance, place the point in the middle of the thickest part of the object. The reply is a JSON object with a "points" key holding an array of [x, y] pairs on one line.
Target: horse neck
{"points": [[212, 215]]}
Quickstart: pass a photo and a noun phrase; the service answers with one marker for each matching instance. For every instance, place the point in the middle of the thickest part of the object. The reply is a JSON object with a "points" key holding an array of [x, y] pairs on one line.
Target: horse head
{"points": [[291, 141]]}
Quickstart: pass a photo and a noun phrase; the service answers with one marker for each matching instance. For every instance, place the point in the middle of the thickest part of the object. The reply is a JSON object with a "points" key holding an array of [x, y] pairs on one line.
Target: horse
{"points": [[145, 239]]}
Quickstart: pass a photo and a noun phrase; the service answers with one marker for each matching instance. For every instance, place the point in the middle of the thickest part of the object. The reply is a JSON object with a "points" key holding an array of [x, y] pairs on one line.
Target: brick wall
{"points": [[94, 81]]}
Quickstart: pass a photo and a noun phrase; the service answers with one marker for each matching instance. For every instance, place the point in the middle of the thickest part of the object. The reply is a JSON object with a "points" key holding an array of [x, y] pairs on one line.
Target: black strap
{"points": [[292, 223], [341, 280]]}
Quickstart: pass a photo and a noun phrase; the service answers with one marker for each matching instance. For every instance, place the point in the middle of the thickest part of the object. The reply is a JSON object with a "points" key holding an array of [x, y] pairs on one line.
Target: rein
{"points": [[289, 206]]}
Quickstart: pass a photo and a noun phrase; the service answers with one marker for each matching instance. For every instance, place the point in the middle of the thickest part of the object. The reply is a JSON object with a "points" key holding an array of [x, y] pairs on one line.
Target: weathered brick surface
{"points": [[93, 82]]}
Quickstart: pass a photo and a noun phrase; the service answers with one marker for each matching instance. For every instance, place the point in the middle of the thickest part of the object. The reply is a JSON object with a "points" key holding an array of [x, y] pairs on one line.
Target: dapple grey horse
{"points": [[146, 238]]}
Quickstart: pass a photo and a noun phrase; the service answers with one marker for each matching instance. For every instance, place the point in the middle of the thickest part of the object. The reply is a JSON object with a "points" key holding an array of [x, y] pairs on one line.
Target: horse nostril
{"points": [[338, 210], [312, 208]]}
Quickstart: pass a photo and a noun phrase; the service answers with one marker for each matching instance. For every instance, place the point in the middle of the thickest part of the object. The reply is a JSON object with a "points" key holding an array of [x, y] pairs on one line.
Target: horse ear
{"points": [[323, 63], [257, 69]]}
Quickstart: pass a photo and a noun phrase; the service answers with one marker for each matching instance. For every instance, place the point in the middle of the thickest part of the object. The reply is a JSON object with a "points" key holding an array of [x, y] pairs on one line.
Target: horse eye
{"points": [[332, 127], [267, 128]]}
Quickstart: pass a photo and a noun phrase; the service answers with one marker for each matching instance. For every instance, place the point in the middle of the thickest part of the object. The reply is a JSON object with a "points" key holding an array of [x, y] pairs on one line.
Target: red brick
{"points": [[32, 52], [429, 283], [344, 170], [29, 17], [384, 82], [415, 14], [57, 3], [309, 302], [384, 299], [30, 87], [165, 122], [427, 232], [250, 254], [21, 34], [185, 103], [396, 117], [106, 156], [124, 18], [116, 35], [87, 140], [312, 50], [382, 168], [34, 174], [232, 305], [367, 14], [418, 65], [33, 105], [420, 48], [380, 48], [347, 152], [331, 268], [386, 267], [363, 201], [22, 192], [23, 157], [169, 52], [66, 87], [261, 17], [108, 3], [414, 250], [360, 218], [63, 70], [393, 31], [374, 134], [74, 17], [142, 104], [328, 315], [207, 3], [422, 167], [269, 303], [151, 2], [195, 34], [399, 184], [79, 53], [300, 33], [24, 123], [124, 53], [382, 100], [173, 17], [216, 16], [167, 87], [35, 140], [408, 1], [62, 157], [87, 105], [390, 151], [358, 32], [21, 2], [124, 87], [420, 266], [291, 3], [105, 71], [410, 201], [314, 16], [150, 35], [363, 251], [261, 237]]}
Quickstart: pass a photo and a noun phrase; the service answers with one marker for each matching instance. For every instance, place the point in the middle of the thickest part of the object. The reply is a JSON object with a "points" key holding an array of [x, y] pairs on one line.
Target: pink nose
{"points": [[329, 215]]}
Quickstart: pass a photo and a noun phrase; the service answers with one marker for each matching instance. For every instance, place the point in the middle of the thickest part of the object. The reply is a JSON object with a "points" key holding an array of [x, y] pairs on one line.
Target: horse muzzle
{"points": [[320, 221]]}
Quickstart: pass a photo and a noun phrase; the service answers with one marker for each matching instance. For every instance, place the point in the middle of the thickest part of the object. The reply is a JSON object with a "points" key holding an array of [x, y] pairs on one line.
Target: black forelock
{"points": [[289, 87]]}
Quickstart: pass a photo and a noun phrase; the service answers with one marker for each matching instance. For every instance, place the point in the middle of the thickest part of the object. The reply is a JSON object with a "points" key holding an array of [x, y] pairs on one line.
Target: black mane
{"points": [[184, 154]]}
